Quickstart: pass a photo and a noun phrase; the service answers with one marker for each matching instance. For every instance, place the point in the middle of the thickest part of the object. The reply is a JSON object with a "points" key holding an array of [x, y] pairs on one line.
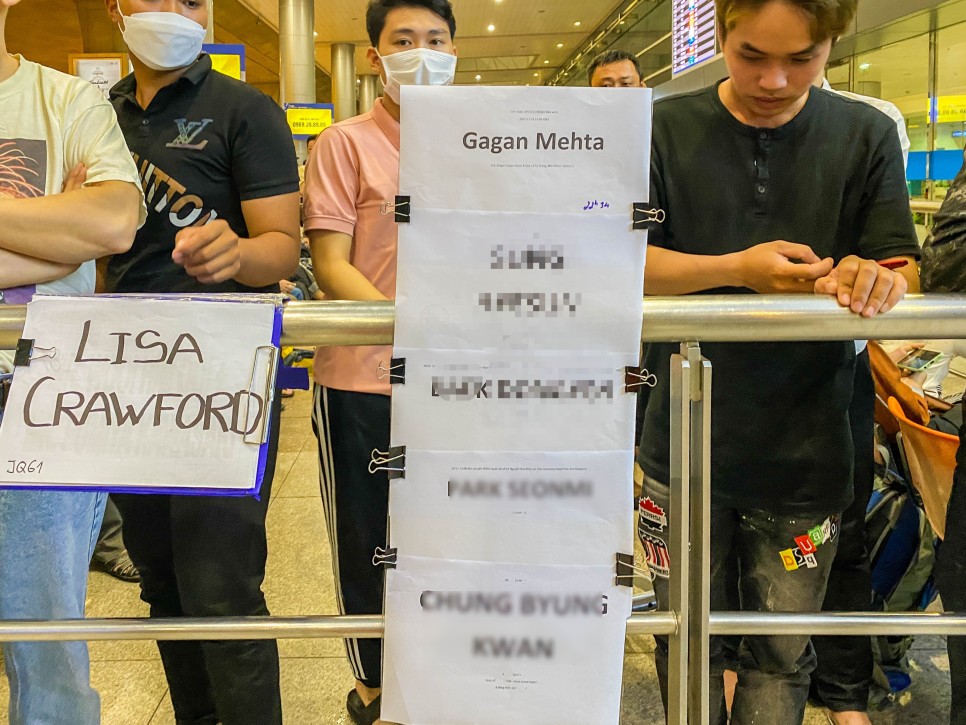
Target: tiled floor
{"points": [[315, 676]]}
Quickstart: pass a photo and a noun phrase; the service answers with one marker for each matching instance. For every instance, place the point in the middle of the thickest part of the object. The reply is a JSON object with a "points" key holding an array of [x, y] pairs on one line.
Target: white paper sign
{"points": [[470, 643], [519, 282], [518, 311], [545, 150], [514, 507], [469, 400], [134, 393]]}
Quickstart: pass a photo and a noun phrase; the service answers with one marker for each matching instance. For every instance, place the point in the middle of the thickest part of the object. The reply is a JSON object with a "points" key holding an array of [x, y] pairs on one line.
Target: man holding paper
{"points": [[57, 134], [780, 207], [350, 178], [218, 165]]}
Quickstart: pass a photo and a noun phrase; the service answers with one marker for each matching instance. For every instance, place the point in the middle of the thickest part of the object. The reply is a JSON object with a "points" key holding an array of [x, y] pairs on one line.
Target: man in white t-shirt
{"points": [[69, 193]]}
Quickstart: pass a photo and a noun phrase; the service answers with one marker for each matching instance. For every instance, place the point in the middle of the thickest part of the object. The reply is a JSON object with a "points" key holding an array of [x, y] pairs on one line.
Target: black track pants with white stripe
{"points": [[348, 427]]}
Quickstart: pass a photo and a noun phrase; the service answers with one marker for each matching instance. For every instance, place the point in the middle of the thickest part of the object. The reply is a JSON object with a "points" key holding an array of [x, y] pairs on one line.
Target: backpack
{"points": [[944, 251], [902, 553]]}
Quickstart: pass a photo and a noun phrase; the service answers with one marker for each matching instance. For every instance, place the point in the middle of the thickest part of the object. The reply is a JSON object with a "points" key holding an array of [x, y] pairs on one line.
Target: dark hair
{"points": [[312, 137], [828, 18], [613, 56], [378, 10]]}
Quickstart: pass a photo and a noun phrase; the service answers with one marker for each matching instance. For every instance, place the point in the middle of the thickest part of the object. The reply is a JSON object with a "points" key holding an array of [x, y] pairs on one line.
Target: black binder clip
{"points": [[393, 462], [27, 351], [635, 378], [396, 372], [385, 557], [646, 216], [401, 208], [625, 570]]}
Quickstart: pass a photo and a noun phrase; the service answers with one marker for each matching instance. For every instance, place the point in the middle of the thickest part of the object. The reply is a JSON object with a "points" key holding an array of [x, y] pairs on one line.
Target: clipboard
{"points": [[118, 444]]}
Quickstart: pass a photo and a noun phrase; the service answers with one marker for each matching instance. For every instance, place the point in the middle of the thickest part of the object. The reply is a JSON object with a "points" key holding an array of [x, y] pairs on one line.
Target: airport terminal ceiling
{"points": [[501, 42], [517, 42]]}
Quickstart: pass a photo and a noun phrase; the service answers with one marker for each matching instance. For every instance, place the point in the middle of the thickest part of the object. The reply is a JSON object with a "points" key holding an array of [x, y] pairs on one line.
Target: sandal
{"points": [[360, 713], [121, 568]]}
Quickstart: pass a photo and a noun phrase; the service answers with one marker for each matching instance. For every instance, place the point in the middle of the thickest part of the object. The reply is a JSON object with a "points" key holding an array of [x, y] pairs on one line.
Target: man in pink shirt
{"points": [[353, 171]]}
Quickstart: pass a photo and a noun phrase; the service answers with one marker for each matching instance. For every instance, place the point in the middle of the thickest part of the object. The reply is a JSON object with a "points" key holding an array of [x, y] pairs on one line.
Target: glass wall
{"points": [[925, 77], [641, 28]]}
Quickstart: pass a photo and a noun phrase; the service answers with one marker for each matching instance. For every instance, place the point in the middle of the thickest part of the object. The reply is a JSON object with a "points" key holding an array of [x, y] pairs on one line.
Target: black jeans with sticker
{"points": [[843, 677], [774, 573]]}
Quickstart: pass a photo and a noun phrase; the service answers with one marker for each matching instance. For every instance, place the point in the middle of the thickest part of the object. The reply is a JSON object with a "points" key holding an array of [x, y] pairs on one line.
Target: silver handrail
{"points": [[707, 318], [924, 206], [359, 627], [371, 627]]}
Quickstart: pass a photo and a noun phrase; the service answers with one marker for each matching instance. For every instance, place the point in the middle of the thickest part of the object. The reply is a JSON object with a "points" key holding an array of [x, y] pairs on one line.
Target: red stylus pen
{"points": [[894, 264]]}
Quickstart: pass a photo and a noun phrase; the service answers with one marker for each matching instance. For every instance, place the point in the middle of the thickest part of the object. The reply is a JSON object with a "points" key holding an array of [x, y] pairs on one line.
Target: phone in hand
{"points": [[919, 360]]}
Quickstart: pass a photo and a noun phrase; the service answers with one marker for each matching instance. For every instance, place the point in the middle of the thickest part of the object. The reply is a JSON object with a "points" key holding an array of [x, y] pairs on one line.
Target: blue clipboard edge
{"points": [[256, 488]]}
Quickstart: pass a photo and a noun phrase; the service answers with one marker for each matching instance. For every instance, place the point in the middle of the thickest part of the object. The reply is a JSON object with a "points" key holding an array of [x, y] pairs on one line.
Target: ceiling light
{"points": [[577, 24], [479, 78], [536, 75], [865, 66], [560, 45], [491, 28], [546, 62], [315, 34]]}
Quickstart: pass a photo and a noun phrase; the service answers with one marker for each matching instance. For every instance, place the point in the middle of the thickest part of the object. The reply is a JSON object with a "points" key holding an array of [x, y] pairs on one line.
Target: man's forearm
{"points": [[675, 273], [72, 227], [17, 270], [267, 258]]}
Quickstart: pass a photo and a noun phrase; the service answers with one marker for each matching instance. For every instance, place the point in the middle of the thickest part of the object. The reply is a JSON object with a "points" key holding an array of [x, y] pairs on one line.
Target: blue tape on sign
{"points": [[292, 378]]}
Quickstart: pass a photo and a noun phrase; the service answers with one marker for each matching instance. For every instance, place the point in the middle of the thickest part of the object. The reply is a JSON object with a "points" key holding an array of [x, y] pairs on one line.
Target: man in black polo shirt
{"points": [[218, 167], [771, 185]]}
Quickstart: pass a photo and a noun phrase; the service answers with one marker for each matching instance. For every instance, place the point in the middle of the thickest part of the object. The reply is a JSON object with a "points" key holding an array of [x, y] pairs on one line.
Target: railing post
{"points": [[699, 564], [678, 540]]}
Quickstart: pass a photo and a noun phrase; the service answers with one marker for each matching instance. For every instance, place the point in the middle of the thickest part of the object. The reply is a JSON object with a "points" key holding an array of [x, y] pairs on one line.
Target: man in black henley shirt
{"points": [[772, 186]]}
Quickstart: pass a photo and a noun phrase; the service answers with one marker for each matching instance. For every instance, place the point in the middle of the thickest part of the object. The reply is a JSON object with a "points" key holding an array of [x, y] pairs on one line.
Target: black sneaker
{"points": [[359, 713]]}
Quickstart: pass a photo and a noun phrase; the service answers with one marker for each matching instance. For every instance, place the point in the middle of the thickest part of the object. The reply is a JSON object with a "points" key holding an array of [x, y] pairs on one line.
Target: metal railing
{"points": [[689, 623], [708, 318], [924, 206]]}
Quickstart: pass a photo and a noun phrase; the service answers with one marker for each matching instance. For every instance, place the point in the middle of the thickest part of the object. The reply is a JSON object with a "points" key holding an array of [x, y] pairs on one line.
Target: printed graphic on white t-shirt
{"points": [[23, 175]]}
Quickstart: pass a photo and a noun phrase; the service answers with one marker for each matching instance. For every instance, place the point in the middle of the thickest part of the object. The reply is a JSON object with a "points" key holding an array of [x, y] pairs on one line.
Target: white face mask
{"points": [[417, 67], [163, 41]]}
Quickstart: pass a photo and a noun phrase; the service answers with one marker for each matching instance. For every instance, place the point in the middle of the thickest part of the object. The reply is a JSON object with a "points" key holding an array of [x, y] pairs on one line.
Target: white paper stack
{"points": [[518, 310]]}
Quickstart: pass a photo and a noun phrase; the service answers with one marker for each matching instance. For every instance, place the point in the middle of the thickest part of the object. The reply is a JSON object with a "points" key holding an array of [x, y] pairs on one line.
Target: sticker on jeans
{"points": [[788, 559], [833, 525], [657, 556], [803, 556], [650, 515], [806, 544]]}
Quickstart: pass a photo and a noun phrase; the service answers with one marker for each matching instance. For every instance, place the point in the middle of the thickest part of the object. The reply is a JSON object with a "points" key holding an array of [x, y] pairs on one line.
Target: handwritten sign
{"points": [[136, 393]]}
